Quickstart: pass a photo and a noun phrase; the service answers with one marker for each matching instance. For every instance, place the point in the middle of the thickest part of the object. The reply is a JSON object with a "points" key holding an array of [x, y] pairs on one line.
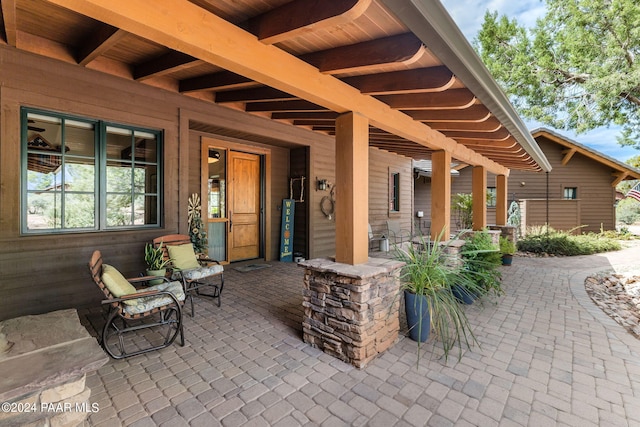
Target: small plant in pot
{"points": [[426, 280], [481, 259], [507, 248], [156, 263]]}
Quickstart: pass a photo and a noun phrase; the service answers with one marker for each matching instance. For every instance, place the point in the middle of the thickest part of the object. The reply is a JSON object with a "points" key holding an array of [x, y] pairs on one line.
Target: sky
{"points": [[469, 14]]}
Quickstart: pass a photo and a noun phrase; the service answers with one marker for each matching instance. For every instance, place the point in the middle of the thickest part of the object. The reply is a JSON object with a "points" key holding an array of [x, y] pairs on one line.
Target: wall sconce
{"points": [[420, 214], [522, 184], [214, 156], [321, 184]]}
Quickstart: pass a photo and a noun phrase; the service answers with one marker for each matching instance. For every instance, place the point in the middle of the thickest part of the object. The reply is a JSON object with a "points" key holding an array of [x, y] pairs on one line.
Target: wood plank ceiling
{"points": [[359, 42]]}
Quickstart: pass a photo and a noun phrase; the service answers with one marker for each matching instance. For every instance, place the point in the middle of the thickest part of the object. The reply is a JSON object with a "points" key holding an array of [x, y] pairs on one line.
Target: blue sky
{"points": [[469, 14]]}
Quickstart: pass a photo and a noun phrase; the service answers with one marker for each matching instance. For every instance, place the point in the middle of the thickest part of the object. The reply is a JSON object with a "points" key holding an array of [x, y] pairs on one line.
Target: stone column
{"points": [[351, 311]]}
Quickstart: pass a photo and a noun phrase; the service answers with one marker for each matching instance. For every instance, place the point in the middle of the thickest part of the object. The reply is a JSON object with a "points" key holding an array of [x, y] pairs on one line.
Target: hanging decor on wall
{"points": [[327, 203], [296, 189], [197, 231]]}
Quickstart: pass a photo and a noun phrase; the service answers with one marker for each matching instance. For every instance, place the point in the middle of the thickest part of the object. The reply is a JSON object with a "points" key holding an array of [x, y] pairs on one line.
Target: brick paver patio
{"points": [[547, 356]]}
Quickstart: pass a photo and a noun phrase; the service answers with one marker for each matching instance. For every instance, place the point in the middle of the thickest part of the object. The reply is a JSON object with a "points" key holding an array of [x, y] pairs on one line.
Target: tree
{"points": [[577, 68]]}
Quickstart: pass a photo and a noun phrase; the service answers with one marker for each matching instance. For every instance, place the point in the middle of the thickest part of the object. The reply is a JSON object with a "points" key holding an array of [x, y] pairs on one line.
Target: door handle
{"points": [[230, 221]]}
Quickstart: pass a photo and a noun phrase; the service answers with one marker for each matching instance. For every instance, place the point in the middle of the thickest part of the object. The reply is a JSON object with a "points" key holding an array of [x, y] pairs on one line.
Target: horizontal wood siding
{"points": [[381, 164], [591, 178], [44, 273], [563, 214]]}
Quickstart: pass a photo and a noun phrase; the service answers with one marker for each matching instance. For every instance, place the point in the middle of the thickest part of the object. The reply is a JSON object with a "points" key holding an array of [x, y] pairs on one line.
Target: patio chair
{"points": [[156, 308], [196, 273], [397, 234]]}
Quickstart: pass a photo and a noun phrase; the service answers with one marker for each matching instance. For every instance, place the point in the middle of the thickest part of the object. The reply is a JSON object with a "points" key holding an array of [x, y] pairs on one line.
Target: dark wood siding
{"points": [[49, 272], [591, 178]]}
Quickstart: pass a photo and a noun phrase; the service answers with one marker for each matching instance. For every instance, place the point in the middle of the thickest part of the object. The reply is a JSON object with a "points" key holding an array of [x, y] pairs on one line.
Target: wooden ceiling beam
{"points": [[184, 26], [97, 43], [456, 99], [9, 16], [299, 16], [273, 106], [216, 81], [305, 115], [474, 114], [399, 49], [491, 125], [167, 63], [432, 79], [500, 135], [263, 93]]}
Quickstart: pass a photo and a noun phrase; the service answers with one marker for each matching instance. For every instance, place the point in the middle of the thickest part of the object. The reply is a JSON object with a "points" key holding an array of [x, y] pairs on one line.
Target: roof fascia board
{"points": [[431, 23], [586, 151]]}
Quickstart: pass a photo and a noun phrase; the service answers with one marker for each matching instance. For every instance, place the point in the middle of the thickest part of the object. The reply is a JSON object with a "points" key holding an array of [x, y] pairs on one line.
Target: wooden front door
{"points": [[244, 205]]}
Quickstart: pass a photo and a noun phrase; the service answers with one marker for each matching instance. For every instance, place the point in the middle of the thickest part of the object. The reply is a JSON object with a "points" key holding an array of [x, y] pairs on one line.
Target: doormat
{"points": [[251, 267]]}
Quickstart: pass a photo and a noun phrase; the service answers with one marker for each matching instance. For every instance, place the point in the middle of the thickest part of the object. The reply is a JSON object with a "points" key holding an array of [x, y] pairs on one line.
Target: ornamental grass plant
{"points": [[430, 272]]}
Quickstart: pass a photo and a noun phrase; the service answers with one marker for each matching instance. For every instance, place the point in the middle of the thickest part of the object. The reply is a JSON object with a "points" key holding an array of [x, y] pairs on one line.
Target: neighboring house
{"points": [[149, 103], [581, 187]]}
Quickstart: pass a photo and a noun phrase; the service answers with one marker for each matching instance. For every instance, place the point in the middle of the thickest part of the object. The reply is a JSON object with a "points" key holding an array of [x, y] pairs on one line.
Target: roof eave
{"points": [[431, 23]]}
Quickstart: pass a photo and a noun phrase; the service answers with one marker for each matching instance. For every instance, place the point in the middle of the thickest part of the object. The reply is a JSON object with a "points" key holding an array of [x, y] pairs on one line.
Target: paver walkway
{"points": [[548, 356]]}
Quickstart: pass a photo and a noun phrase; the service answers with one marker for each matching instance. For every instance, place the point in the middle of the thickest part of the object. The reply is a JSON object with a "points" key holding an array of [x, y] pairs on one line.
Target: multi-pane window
{"points": [[394, 192], [491, 197], [570, 193], [82, 174]]}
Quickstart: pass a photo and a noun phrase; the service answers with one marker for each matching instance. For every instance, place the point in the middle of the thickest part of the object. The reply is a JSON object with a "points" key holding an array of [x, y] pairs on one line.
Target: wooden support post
{"points": [[501, 200], [440, 194], [352, 188], [479, 195]]}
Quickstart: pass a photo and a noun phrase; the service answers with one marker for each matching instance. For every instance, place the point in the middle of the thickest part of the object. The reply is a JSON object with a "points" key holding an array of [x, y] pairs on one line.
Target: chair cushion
{"points": [[199, 273], [183, 256], [148, 303], [116, 283]]}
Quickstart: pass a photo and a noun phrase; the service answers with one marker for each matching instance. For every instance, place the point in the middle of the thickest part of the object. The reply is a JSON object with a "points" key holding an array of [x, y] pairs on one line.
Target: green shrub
{"points": [[481, 259], [562, 243], [507, 246], [628, 211]]}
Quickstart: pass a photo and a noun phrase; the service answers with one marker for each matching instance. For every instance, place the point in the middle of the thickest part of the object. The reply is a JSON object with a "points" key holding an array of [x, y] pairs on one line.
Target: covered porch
{"points": [[547, 356]]}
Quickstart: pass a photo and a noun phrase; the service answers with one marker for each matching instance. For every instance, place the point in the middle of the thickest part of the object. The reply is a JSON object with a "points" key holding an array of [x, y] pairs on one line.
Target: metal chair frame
{"points": [[191, 287], [169, 315]]}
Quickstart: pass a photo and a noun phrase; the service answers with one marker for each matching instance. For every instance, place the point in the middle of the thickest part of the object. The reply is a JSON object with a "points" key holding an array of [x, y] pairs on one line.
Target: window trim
{"points": [[100, 175], [394, 192], [491, 201], [575, 193]]}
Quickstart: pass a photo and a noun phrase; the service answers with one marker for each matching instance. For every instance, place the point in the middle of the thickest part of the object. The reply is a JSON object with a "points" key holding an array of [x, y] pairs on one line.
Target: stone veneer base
{"points": [[351, 311], [44, 360]]}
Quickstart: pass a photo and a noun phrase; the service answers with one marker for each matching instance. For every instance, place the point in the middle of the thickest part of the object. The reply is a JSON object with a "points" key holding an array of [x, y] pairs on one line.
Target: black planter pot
{"points": [[463, 294], [507, 259], [418, 317]]}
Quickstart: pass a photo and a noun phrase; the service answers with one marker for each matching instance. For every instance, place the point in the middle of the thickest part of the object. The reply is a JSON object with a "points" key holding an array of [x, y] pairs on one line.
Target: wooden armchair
{"points": [[157, 308], [195, 273]]}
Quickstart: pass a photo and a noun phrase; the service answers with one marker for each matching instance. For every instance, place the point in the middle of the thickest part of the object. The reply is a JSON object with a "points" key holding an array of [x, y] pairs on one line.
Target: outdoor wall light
{"points": [[321, 184]]}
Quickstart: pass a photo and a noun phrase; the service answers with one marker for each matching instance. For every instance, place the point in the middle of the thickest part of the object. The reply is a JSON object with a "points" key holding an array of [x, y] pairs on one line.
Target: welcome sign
{"points": [[286, 231]]}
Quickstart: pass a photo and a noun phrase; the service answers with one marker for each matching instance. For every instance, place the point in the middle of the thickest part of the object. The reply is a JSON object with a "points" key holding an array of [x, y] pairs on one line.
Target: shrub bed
{"points": [[563, 243]]}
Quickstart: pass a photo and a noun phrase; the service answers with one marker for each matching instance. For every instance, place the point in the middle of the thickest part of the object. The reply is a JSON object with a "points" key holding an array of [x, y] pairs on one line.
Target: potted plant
{"points": [[426, 281], [507, 249], [156, 263], [481, 259]]}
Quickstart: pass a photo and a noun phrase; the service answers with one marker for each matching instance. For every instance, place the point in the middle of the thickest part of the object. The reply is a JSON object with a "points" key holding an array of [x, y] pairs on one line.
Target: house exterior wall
{"points": [[592, 179], [41, 273]]}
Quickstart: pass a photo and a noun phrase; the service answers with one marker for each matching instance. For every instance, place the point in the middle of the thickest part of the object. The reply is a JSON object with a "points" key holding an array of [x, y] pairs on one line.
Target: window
{"points": [[570, 193], [82, 174], [394, 192], [491, 197]]}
